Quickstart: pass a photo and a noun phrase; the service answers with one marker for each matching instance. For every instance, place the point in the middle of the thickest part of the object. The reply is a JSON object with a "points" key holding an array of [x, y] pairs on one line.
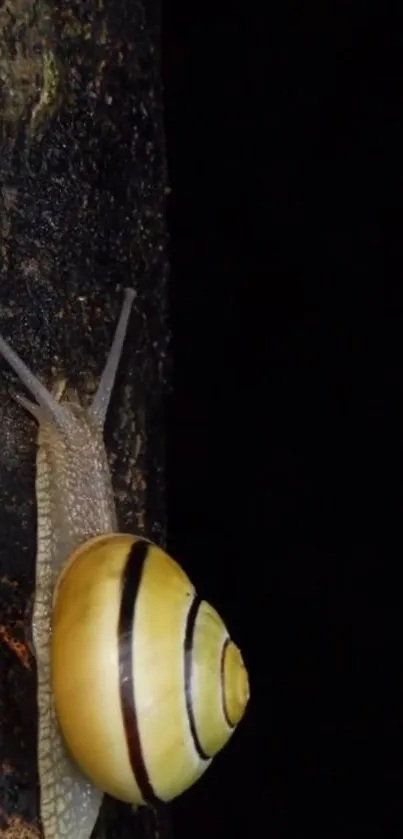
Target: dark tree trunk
{"points": [[83, 186]]}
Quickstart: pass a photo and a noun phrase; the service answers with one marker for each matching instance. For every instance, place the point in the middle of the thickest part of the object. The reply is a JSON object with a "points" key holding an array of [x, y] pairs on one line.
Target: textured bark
{"points": [[82, 194]]}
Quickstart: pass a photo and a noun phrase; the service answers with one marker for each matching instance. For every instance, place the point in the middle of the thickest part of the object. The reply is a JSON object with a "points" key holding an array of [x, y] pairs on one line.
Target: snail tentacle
{"points": [[43, 397], [99, 406]]}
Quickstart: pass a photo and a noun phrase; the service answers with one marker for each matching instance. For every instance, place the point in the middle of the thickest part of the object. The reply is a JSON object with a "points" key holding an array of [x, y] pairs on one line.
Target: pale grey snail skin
{"points": [[74, 503]]}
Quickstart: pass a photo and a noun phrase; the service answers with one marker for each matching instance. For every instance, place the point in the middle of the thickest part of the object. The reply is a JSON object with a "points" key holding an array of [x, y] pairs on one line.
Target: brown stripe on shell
{"points": [[188, 658], [222, 678], [131, 583]]}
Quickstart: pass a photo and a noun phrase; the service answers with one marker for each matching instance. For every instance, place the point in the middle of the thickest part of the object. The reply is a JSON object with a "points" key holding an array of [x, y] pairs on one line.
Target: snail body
{"points": [[138, 682]]}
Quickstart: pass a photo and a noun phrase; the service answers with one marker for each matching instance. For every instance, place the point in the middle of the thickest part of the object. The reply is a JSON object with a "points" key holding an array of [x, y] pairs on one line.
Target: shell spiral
{"points": [[147, 684]]}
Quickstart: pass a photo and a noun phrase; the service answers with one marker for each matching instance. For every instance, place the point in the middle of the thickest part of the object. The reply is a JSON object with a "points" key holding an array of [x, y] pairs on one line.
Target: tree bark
{"points": [[82, 203]]}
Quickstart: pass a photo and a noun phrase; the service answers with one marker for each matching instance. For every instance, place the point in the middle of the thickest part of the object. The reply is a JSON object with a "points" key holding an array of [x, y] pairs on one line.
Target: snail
{"points": [[138, 682]]}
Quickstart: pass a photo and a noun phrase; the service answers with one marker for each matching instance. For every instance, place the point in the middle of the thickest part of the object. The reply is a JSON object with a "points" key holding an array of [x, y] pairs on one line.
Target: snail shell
{"points": [[154, 687]]}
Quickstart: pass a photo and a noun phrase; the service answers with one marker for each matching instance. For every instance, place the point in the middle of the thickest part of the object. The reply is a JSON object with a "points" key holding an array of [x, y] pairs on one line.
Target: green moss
{"points": [[50, 94]]}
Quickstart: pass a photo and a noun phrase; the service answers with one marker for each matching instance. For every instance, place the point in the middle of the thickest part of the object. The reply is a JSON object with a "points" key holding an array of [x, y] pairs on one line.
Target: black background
{"points": [[285, 424]]}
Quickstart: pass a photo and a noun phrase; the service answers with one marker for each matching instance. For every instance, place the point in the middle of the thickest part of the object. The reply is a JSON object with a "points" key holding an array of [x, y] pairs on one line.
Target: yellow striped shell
{"points": [[147, 684]]}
